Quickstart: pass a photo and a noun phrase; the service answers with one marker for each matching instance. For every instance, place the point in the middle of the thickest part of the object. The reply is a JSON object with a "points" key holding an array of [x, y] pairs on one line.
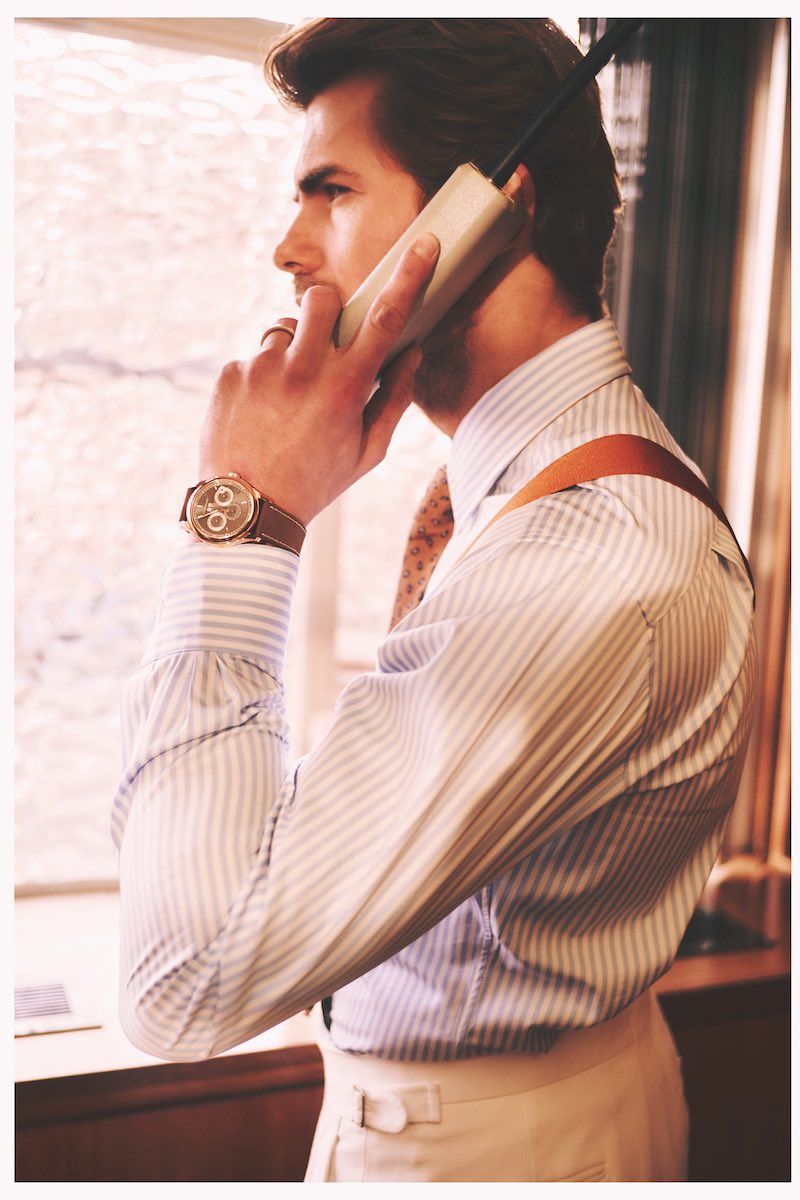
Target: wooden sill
{"points": [[72, 939], [760, 899]]}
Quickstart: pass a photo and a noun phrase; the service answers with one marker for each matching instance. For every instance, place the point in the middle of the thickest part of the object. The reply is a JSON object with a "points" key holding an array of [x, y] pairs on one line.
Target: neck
{"points": [[516, 319]]}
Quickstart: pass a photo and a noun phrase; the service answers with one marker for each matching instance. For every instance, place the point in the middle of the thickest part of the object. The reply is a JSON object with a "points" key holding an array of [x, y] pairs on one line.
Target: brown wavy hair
{"points": [[457, 90]]}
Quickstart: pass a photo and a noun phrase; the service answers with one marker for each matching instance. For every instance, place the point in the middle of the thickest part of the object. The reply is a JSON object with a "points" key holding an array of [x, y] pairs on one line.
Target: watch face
{"points": [[221, 510]]}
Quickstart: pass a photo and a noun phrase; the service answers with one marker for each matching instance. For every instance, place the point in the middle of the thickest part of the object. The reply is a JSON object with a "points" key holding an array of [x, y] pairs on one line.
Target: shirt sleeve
{"points": [[252, 887]]}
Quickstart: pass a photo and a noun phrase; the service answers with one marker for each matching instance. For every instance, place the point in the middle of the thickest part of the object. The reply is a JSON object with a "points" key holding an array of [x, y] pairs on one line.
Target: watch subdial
{"points": [[217, 521], [224, 496]]}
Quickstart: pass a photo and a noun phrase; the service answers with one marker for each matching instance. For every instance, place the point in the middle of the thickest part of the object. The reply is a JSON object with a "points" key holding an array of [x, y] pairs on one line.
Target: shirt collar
{"points": [[524, 403]]}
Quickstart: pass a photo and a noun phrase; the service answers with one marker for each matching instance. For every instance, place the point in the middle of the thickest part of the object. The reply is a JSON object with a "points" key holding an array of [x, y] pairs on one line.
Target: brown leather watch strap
{"points": [[189, 493], [274, 527]]}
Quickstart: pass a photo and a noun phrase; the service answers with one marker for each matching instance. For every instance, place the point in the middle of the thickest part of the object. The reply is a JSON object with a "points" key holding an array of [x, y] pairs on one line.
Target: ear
{"points": [[520, 189]]}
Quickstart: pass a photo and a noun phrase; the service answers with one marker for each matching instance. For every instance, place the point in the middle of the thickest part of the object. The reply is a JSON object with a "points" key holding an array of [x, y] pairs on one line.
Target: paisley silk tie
{"points": [[429, 534]]}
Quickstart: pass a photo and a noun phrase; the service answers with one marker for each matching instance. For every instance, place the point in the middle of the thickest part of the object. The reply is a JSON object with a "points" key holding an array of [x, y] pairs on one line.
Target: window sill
{"points": [[72, 939], [759, 898]]}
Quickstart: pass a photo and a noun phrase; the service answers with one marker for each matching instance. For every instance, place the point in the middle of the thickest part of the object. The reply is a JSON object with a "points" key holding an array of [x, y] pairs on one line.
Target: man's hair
{"points": [[454, 91]]}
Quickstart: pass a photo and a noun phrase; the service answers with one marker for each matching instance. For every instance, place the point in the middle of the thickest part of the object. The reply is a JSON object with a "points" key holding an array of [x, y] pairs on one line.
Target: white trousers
{"points": [[605, 1103]]}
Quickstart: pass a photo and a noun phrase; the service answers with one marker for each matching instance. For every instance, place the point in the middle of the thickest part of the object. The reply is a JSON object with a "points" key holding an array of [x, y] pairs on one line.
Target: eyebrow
{"points": [[313, 180]]}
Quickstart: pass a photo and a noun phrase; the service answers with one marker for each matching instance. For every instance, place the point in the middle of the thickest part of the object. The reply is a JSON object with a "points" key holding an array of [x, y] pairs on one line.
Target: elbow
{"points": [[157, 1022], [156, 1042]]}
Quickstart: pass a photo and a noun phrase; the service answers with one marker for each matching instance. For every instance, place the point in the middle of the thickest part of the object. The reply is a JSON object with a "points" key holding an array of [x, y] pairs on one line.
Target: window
{"points": [[152, 185]]}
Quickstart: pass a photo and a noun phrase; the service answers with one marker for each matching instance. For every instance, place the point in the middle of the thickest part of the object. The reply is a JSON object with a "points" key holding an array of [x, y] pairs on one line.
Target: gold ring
{"points": [[273, 328]]}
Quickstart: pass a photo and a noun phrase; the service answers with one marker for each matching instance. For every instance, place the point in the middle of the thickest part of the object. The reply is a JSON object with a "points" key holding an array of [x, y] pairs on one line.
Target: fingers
{"points": [[304, 345], [389, 312], [319, 310], [388, 404], [279, 330]]}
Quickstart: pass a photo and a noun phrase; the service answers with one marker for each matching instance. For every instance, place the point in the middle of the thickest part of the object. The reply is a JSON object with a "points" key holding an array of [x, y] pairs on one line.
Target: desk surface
{"points": [[72, 939], [761, 901]]}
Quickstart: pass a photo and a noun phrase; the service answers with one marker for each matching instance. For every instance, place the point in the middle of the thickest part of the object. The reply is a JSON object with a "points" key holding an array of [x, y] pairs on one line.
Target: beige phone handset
{"points": [[473, 220]]}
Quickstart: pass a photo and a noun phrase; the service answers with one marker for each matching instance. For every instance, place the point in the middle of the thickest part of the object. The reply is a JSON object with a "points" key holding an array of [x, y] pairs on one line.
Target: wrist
{"points": [[226, 510]]}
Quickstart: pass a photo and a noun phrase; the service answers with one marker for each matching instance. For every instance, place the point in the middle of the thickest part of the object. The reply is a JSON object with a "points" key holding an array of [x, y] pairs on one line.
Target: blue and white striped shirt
{"points": [[510, 820]]}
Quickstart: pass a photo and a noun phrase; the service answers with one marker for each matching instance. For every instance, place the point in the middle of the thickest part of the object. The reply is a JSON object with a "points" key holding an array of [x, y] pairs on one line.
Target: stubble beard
{"points": [[440, 383]]}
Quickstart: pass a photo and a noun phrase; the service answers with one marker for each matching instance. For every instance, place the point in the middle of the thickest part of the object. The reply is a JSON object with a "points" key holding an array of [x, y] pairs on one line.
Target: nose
{"points": [[297, 251]]}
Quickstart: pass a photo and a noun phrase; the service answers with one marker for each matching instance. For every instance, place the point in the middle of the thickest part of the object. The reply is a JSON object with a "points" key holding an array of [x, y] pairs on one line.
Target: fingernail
{"points": [[427, 246]]}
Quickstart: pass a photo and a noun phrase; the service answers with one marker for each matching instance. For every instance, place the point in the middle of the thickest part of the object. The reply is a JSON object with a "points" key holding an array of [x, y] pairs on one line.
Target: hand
{"points": [[300, 420]]}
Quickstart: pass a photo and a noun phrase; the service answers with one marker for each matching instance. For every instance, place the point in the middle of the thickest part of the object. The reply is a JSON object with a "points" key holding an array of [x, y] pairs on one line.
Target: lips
{"points": [[302, 285]]}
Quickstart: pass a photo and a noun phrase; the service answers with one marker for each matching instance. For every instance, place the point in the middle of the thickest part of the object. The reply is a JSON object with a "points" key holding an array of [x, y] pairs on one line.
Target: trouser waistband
{"points": [[389, 1094]]}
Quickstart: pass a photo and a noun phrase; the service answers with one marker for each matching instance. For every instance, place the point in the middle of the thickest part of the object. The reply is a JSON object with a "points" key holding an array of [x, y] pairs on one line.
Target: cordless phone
{"points": [[472, 218]]}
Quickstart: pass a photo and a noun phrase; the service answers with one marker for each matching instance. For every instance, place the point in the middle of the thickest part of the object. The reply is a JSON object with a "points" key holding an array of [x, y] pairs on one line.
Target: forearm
{"points": [[205, 758]]}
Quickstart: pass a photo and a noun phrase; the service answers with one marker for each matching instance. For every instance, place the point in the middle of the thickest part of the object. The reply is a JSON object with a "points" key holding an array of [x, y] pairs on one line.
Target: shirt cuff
{"points": [[233, 600]]}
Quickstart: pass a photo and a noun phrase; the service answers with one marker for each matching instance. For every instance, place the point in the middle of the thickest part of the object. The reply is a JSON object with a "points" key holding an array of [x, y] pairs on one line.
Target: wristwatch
{"points": [[227, 511]]}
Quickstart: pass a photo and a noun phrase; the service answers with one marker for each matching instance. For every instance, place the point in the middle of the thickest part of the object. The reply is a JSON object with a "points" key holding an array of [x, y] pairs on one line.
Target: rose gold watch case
{"points": [[230, 512]]}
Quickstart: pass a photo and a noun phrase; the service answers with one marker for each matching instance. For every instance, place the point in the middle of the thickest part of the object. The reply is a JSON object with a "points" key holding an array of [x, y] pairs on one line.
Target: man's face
{"points": [[353, 200]]}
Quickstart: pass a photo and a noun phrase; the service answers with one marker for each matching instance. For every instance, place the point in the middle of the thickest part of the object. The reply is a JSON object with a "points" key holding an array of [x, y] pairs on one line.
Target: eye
{"points": [[332, 191]]}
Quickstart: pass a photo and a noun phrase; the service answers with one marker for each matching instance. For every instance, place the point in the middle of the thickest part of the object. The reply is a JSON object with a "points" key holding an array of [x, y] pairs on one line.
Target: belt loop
{"points": [[359, 1103], [434, 1104]]}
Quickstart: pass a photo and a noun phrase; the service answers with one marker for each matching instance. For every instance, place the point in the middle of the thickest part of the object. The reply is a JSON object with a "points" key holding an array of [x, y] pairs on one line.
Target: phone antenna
{"points": [[586, 69]]}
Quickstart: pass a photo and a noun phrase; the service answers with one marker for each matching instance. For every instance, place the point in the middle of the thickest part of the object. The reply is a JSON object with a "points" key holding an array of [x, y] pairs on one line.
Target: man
{"points": [[495, 850]]}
